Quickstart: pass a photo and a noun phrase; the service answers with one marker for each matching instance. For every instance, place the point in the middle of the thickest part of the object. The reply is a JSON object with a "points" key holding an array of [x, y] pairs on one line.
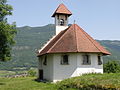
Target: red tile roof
{"points": [[62, 9], [73, 39]]}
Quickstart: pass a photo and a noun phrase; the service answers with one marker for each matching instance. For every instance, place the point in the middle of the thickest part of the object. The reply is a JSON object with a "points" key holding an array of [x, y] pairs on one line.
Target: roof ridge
{"points": [[47, 43], [76, 37], [58, 39], [90, 39]]}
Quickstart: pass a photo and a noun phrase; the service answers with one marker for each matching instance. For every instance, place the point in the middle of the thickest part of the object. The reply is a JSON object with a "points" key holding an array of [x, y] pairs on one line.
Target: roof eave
{"points": [[106, 54], [61, 14], [41, 54]]}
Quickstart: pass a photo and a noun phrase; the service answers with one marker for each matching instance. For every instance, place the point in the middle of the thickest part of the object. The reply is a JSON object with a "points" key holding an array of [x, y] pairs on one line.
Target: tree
{"points": [[7, 31], [112, 67]]}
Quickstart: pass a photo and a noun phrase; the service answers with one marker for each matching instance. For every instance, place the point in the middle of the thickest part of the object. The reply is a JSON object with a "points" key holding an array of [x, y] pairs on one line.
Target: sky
{"points": [[99, 18]]}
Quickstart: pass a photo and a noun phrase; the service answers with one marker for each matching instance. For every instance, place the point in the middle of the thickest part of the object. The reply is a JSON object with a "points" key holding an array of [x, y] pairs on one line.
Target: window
{"points": [[66, 17], [86, 60], [61, 22], [58, 17], [64, 60], [45, 60], [99, 60]]}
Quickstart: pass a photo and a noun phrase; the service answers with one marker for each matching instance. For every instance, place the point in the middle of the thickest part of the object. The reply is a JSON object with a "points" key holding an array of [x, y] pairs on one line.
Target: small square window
{"points": [[99, 60], [86, 60], [64, 60], [45, 60]]}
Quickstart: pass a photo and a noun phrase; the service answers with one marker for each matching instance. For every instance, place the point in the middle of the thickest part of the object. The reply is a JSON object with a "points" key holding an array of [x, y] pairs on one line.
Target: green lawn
{"points": [[25, 83], [85, 82], [6, 73]]}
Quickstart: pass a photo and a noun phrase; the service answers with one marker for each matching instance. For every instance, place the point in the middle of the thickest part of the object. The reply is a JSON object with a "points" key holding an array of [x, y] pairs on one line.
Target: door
{"points": [[40, 74]]}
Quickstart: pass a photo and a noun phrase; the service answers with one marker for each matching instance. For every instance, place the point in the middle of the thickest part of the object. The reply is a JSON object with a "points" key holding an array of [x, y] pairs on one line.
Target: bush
{"points": [[32, 72], [112, 67], [91, 82]]}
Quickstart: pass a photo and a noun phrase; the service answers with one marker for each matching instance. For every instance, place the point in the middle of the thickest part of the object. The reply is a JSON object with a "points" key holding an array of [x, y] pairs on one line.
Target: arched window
{"points": [[86, 60], [99, 60], [45, 60], [64, 60], [61, 22]]}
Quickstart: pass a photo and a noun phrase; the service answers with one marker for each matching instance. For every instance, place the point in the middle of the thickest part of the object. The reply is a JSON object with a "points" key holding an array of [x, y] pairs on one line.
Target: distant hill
{"points": [[114, 48], [29, 39]]}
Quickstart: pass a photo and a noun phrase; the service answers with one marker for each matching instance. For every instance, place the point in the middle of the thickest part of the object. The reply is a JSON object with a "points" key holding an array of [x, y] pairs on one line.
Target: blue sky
{"points": [[99, 18]]}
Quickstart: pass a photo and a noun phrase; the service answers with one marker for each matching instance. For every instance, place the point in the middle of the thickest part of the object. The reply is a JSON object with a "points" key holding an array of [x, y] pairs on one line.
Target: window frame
{"points": [[99, 60], [66, 17], [86, 59], [45, 60], [63, 62], [58, 17]]}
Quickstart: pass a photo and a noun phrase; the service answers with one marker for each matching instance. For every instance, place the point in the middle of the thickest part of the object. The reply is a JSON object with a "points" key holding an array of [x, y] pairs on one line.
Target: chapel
{"points": [[71, 52]]}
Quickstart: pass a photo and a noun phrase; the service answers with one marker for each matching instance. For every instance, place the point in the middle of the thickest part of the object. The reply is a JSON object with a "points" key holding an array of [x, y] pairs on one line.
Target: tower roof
{"points": [[74, 39], [62, 9]]}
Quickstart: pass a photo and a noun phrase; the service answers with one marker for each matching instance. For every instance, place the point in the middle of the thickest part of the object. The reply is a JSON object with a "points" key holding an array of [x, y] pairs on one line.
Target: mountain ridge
{"points": [[29, 39]]}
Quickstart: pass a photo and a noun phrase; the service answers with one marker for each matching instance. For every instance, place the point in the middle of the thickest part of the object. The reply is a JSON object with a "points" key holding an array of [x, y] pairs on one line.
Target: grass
{"points": [[24, 83], [4, 73], [92, 82], [85, 82]]}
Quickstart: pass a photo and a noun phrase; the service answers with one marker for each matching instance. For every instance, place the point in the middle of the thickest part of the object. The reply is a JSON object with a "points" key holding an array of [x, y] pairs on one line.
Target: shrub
{"points": [[91, 82], [112, 67], [32, 72]]}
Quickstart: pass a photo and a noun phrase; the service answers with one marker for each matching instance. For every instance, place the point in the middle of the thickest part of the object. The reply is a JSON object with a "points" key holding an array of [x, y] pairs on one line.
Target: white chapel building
{"points": [[71, 52]]}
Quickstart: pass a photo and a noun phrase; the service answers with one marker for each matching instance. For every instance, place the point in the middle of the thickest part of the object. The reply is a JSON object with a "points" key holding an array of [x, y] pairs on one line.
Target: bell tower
{"points": [[61, 16]]}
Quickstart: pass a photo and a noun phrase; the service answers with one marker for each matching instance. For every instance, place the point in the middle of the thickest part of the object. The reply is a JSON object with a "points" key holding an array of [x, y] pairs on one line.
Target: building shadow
{"points": [[43, 80]]}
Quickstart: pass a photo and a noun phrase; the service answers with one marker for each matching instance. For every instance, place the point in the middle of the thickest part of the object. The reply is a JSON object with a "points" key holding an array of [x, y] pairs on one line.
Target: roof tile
{"points": [[62, 9], [73, 39]]}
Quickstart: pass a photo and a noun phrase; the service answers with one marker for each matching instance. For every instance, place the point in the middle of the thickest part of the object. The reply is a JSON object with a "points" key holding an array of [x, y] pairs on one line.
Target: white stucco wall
{"points": [[47, 69], [92, 68], [64, 71], [54, 71], [60, 28], [75, 67]]}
